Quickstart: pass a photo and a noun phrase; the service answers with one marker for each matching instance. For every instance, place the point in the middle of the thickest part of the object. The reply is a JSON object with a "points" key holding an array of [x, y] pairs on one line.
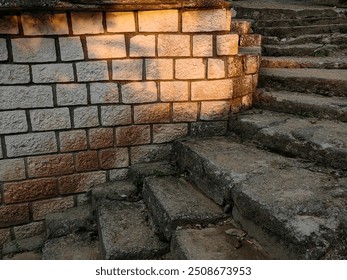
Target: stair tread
{"points": [[173, 202], [277, 193], [124, 232]]}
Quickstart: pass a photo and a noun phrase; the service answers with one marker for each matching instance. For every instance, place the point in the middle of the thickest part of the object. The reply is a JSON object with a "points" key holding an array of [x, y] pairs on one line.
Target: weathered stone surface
{"points": [[214, 110], [24, 245], [185, 112], [212, 90], [159, 69], [127, 69], [92, 71], [142, 46], [174, 91], [119, 174], [86, 161], [133, 135], [81, 182], [33, 50], [29, 230], [190, 68], [86, 116], [208, 129], [213, 244], [152, 113], [240, 26], [14, 214], [227, 44], [216, 68], [125, 234], [45, 24], [74, 140], [73, 220], [158, 21], [87, 23], [116, 115], [71, 94], [139, 92], [3, 50], [50, 119], [52, 73], [150, 153], [5, 236], [320, 140], [163, 133], [120, 190], [9, 24], [173, 45], [71, 48], [106, 46], [104, 93], [72, 247], [114, 158], [13, 122], [279, 194], [100, 138], [202, 45], [173, 202], [14, 74], [120, 22]]}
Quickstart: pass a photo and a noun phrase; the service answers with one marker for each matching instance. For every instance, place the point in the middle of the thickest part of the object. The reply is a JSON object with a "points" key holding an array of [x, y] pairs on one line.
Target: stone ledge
{"points": [[114, 5]]}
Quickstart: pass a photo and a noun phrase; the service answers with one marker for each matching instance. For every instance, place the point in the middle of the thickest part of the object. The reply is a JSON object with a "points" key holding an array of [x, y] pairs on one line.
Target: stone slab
{"points": [[323, 141], [174, 202], [72, 247], [300, 208], [73, 220], [125, 234]]}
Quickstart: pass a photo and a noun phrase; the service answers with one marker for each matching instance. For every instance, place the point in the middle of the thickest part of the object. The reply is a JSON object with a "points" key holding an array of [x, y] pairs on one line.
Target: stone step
{"points": [[316, 140], [20, 246], [306, 105], [215, 244], [316, 50], [173, 202], [292, 211], [124, 232], [300, 22], [72, 247], [304, 62], [250, 50], [330, 82], [330, 38], [295, 31]]}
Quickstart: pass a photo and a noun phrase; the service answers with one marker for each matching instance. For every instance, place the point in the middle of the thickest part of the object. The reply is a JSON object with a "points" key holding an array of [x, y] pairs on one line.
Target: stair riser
{"points": [[301, 51], [299, 22], [286, 144], [291, 63], [308, 85], [334, 39], [306, 110]]}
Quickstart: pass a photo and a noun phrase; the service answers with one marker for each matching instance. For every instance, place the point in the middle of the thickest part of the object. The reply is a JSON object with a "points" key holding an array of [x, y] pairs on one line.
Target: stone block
{"points": [[127, 69], [142, 46], [73, 140], [158, 21], [150, 153], [133, 135], [251, 64], [235, 66], [159, 69], [190, 68], [9, 24], [243, 86], [202, 45], [31, 144], [102, 93], [173, 45], [43, 207], [212, 90], [86, 116], [87, 23], [174, 91], [45, 24], [71, 48], [82, 182], [240, 26], [14, 97], [11, 215], [116, 115], [185, 112], [5, 236], [29, 190], [71, 94], [119, 22], [14, 74], [216, 68], [114, 158], [206, 20], [3, 50], [22, 248], [152, 113], [33, 50], [106, 46], [87, 161], [214, 110], [250, 40], [92, 71], [12, 169], [50, 119], [139, 92], [163, 133], [52, 73], [227, 44], [29, 230], [13, 122], [51, 165], [241, 103], [100, 138]]}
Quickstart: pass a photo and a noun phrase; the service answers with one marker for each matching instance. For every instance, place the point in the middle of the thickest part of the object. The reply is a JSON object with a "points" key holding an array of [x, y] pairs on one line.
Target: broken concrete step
{"points": [[317, 140], [294, 31], [173, 202], [293, 212], [329, 38], [78, 219], [330, 82], [304, 62], [214, 244], [306, 105], [301, 50], [72, 247], [125, 234]]}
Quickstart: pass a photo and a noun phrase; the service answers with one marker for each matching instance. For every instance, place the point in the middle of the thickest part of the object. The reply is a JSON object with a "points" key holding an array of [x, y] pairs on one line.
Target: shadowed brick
{"points": [[100, 138], [114, 158], [12, 169], [127, 69], [152, 113], [87, 161], [227, 44], [71, 48], [120, 22], [30, 190], [74, 140], [83, 182], [33, 50], [41, 208], [251, 64], [5, 236], [214, 110], [9, 25], [3, 50], [243, 86], [235, 66], [116, 115], [14, 215], [92, 71], [185, 112], [29, 230], [133, 135], [50, 165], [150, 153], [45, 24]]}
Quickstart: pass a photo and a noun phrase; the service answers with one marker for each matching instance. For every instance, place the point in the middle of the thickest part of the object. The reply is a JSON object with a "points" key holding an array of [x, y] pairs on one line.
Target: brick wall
{"points": [[85, 95]]}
